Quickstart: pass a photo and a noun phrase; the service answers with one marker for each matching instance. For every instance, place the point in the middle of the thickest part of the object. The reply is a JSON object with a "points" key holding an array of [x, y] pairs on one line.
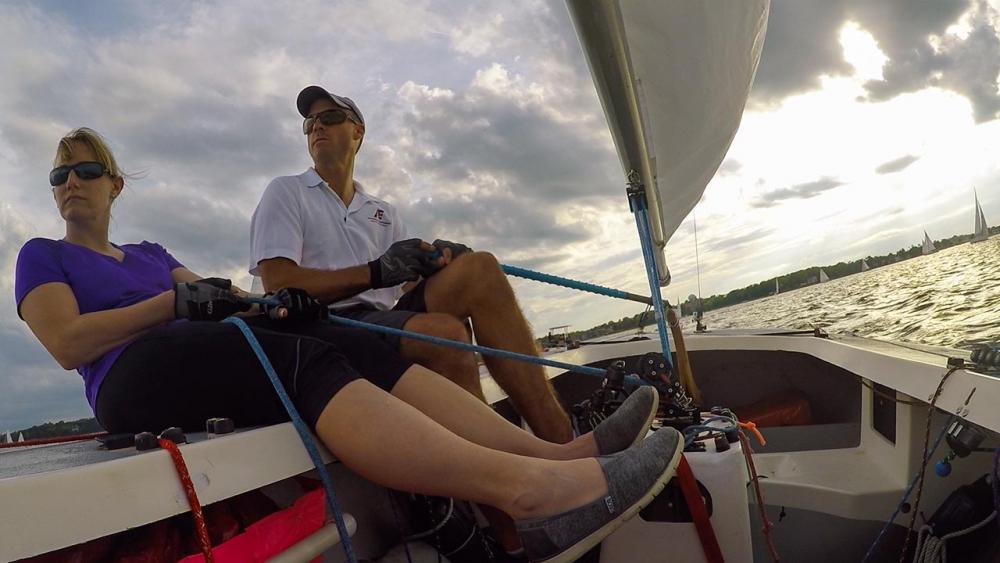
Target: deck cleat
{"points": [[219, 426], [174, 434], [146, 441]]}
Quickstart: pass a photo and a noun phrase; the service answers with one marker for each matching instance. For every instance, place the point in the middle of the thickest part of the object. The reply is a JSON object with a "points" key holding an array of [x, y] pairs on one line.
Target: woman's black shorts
{"points": [[185, 373]]}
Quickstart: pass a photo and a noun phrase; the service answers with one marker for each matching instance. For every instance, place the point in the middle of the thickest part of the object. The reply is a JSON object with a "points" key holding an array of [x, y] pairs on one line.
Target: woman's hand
{"points": [[296, 305]]}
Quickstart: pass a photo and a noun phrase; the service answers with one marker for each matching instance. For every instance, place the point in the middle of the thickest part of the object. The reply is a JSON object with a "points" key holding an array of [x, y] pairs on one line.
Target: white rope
{"points": [[932, 549]]}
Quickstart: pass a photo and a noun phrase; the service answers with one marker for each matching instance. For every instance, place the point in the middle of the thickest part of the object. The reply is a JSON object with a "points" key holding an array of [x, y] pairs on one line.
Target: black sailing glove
{"points": [[457, 249], [300, 305], [221, 283], [406, 260], [200, 301]]}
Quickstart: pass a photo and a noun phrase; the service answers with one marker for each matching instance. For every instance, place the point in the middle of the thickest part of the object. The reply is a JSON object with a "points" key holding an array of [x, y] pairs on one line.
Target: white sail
{"points": [[864, 266], [823, 278], [928, 245], [776, 289], [9, 439], [673, 77], [982, 231]]}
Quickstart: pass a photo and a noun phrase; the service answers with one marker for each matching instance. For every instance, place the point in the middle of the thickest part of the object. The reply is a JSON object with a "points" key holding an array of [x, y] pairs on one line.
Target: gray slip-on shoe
{"points": [[634, 478], [628, 425]]}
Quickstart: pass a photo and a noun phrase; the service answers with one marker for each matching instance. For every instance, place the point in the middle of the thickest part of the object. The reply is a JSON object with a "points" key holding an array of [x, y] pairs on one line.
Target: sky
{"points": [[868, 123]]}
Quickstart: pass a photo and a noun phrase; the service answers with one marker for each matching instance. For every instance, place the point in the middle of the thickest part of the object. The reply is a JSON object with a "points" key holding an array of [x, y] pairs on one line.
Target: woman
{"points": [[135, 323]]}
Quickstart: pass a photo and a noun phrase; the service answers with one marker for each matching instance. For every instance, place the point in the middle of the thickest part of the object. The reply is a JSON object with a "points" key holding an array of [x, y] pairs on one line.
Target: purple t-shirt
{"points": [[98, 282]]}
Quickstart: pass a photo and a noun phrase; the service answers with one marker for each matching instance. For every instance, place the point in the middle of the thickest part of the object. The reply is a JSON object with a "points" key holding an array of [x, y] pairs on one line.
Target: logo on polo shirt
{"points": [[379, 217]]}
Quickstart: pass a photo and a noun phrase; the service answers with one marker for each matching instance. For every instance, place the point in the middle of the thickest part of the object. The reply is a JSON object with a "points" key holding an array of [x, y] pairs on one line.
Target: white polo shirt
{"points": [[302, 219]]}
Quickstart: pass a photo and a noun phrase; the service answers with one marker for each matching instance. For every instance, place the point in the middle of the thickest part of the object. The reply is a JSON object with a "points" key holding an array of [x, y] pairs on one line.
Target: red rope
{"points": [[766, 529], [696, 504], [199, 518], [54, 440]]}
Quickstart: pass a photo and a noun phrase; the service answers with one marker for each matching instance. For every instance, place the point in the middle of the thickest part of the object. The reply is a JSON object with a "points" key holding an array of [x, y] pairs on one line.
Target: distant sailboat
{"points": [[864, 266], [928, 245], [823, 278], [9, 439], [776, 288], [20, 437], [982, 231]]}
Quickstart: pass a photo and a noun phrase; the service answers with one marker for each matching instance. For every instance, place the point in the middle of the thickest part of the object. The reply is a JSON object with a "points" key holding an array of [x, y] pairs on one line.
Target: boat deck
{"points": [[123, 489]]}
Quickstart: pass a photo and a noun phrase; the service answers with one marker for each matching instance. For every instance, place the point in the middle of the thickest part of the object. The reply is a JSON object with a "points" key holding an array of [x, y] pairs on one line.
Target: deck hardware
{"points": [[219, 426], [116, 441], [969, 398], [146, 441], [175, 434]]}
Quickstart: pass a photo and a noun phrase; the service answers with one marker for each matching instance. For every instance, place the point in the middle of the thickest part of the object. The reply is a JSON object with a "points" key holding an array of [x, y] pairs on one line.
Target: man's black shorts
{"points": [[411, 303]]}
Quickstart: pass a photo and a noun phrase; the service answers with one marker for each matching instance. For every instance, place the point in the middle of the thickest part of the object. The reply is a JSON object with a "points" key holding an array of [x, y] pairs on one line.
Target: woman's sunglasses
{"points": [[328, 117], [84, 171]]}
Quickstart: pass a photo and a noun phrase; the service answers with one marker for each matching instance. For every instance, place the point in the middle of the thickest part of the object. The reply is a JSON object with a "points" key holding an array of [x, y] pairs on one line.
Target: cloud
{"points": [[802, 46], [798, 191], [896, 165], [733, 242], [968, 65], [729, 167]]}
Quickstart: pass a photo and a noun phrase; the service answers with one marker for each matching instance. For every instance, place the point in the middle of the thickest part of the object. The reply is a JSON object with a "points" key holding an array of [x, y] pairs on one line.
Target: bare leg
{"points": [[419, 455], [474, 286], [457, 365], [463, 414]]}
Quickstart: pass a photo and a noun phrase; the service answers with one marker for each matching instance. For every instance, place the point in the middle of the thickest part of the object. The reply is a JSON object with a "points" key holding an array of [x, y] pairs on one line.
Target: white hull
{"points": [[839, 468]]}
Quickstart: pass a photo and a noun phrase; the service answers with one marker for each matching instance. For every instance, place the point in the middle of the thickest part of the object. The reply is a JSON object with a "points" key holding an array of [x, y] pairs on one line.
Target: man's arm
{"points": [[406, 260], [329, 286]]}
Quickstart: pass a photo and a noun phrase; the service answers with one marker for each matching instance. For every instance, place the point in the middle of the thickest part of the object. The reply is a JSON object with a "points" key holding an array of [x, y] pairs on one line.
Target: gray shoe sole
{"points": [[581, 547]]}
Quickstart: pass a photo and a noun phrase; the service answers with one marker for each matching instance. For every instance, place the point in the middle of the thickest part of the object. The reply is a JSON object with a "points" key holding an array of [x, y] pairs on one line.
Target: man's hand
{"points": [[406, 260], [450, 250], [204, 301], [295, 305]]}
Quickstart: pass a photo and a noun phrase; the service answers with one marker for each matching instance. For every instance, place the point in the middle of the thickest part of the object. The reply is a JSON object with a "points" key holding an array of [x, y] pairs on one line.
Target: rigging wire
{"points": [[697, 262], [923, 467], [887, 396], [925, 458]]}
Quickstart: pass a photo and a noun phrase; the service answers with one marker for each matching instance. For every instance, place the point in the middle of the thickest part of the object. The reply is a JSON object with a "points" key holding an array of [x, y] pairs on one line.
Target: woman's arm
{"points": [[53, 315], [183, 275]]}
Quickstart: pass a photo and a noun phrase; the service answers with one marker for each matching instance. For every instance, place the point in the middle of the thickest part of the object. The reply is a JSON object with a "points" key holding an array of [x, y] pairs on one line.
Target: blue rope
{"points": [[573, 284], [585, 370], [304, 435], [645, 240], [906, 495]]}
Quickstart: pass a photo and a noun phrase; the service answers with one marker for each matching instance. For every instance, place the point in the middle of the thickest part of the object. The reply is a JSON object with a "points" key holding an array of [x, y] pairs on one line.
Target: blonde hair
{"points": [[94, 140]]}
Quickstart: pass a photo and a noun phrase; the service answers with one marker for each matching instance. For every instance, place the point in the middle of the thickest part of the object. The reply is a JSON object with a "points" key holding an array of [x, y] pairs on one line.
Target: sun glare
{"points": [[861, 51]]}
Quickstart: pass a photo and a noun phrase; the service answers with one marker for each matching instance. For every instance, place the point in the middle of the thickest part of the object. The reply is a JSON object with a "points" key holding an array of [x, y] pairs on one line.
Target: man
{"points": [[320, 231]]}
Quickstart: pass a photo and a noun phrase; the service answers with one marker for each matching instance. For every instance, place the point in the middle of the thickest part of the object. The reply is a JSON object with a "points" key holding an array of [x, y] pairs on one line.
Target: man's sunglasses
{"points": [[84, 170], [328, 117]]}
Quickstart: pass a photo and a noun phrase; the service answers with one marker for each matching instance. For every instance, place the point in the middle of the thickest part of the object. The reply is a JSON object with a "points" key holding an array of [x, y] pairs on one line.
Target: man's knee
{"points": [[478, 264], [440, 325]]}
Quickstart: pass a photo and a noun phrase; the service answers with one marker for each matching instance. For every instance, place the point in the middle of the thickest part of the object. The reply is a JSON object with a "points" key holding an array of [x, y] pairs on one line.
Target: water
{"points": [[950, 298]]}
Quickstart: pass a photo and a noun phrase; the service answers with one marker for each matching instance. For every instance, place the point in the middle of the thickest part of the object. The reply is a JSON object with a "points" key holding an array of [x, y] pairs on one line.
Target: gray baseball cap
{"points": [[310, 94]]}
